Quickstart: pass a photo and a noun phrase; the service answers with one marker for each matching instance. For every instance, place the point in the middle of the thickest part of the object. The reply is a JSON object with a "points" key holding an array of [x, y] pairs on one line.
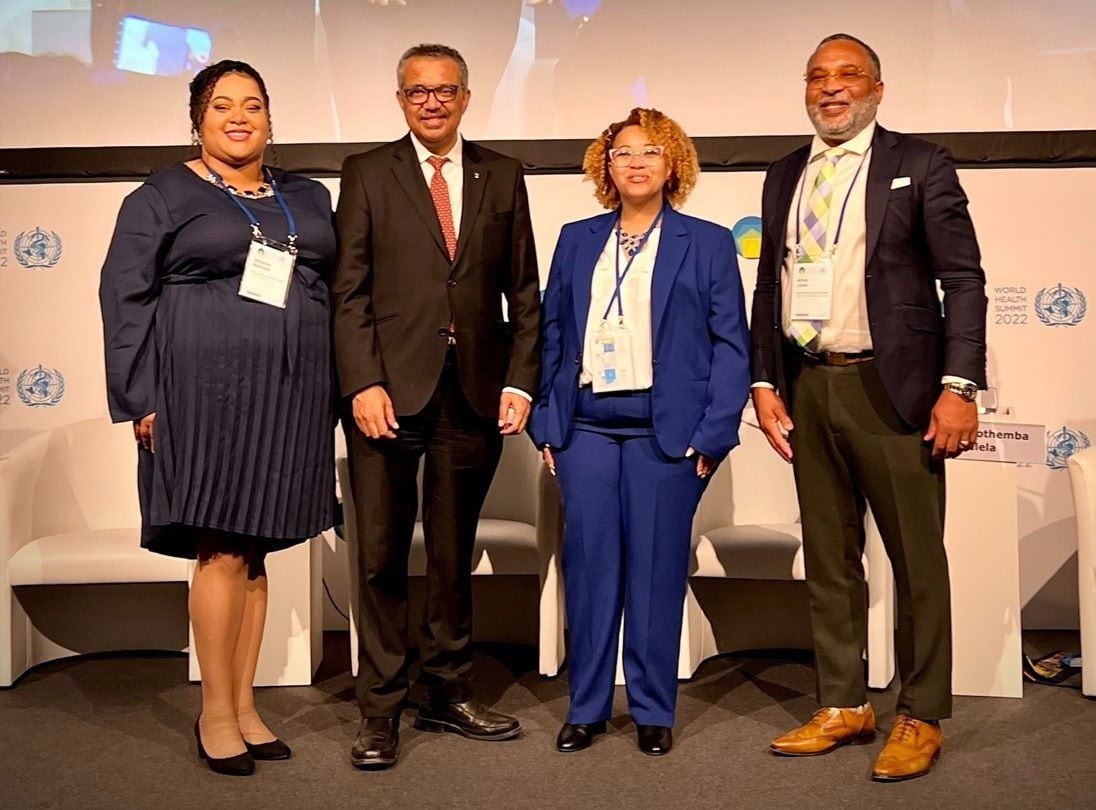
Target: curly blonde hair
{"points": [[662, 130]]}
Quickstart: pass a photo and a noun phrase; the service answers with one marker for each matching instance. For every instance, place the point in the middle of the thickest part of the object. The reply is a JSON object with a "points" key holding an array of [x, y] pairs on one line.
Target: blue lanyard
{"points": [[841, 217], [617, 296], [256, 230]]}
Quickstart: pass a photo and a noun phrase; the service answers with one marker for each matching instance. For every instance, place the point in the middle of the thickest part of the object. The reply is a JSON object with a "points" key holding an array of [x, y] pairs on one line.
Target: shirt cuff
{"points": [[951, 378], [518, 391], [768, 385]]}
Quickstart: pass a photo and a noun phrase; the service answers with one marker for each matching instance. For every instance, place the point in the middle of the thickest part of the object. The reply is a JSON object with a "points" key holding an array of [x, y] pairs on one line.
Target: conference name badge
{"points": [[268, 272], [812, 290], [612, 362]]}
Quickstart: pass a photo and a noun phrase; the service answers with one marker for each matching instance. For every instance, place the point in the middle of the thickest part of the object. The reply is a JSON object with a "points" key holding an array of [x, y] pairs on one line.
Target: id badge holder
{"points": [[812, 290], [613, 370], [268, 271]]}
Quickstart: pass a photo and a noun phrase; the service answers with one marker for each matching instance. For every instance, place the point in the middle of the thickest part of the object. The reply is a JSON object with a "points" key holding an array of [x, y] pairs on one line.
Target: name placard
{"points": [[1009, 441]]}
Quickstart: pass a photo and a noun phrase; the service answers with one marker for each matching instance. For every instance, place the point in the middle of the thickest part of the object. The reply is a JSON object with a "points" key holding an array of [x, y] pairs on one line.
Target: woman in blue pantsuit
{"points": [[644, 377]]}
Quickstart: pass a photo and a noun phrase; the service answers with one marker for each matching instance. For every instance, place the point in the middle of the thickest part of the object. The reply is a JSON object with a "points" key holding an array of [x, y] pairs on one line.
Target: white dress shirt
{"points": [[847, 329], [636, 303]]}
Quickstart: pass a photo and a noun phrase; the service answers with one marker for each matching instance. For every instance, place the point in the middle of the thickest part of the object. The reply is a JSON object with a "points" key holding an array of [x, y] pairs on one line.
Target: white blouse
{"points": [[636, 302]]}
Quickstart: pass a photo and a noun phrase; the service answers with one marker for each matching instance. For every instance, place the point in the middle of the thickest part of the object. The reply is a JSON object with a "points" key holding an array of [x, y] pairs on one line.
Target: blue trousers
{"points": [[628, 511]]}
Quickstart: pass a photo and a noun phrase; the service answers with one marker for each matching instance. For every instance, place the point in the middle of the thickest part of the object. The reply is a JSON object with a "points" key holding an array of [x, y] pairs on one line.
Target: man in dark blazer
{"points": [[865, 384], [434, 232]]}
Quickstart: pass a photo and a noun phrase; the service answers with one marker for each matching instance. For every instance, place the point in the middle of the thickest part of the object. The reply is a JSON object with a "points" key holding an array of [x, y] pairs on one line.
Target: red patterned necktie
{"points": [[439, 193]]}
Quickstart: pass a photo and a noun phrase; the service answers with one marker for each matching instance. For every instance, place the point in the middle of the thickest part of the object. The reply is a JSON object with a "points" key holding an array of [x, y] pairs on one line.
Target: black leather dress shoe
{"points": [[238, 765], [655, 740], [469, 719], [377, 744], [275, 749], [577, 736]]}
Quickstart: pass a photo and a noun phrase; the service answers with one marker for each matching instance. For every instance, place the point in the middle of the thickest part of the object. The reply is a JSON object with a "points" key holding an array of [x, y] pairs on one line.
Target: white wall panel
{"points": [[1034, 226]]}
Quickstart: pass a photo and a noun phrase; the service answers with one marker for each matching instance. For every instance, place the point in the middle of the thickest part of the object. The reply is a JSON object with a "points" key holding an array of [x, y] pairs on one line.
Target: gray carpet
{"points": [[116, 731]]}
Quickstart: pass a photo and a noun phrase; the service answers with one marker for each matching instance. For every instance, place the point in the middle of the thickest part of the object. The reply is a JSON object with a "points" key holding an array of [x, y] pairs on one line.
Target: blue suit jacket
{"points": [[700, 338]]}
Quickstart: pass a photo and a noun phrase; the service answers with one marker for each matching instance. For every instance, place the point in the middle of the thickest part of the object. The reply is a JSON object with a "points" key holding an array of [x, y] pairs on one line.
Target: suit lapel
{"points": [[778, 226], [475, 183], [409, 176], [881, 171], [777, 222], [589, 248], [672, 246]]}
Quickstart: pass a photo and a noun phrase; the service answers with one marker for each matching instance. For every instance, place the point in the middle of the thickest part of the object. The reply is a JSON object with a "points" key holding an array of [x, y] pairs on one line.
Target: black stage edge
{"points": [[971, 150]]}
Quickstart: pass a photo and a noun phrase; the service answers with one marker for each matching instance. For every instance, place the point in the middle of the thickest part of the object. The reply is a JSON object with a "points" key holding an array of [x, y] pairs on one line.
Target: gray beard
{"points": [[861, 114]]}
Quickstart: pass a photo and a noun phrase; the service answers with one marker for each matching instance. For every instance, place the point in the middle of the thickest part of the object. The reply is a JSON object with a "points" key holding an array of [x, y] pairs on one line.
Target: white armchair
{"points": [[1082, 477], [520, 532], [74, 578], [69, 517]]}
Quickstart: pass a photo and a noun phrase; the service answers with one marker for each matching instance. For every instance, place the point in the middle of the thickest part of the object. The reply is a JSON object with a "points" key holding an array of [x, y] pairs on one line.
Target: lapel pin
{"points": [[475, 175]]}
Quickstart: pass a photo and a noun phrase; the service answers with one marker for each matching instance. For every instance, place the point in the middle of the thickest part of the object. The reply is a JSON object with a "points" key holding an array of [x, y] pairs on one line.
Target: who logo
{"points": [[1061, 305], [38, 249], [1063, 443], [40, 387]]}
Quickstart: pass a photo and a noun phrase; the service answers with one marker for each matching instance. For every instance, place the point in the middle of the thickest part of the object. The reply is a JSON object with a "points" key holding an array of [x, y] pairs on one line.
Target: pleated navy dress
{"points": [[242, 391]]}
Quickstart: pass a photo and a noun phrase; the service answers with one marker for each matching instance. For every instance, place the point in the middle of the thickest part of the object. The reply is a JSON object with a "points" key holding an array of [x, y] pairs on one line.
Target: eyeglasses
{"points": [[846, 77], [648, 155], [443, 93]]}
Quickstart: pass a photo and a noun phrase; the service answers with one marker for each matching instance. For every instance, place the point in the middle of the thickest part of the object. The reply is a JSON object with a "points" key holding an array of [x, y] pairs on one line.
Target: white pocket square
{"points": [[899, 182]]}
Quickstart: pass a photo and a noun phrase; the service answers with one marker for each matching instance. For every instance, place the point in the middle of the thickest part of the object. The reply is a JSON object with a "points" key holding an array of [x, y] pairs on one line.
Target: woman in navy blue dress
{"points": [[230, 396]]}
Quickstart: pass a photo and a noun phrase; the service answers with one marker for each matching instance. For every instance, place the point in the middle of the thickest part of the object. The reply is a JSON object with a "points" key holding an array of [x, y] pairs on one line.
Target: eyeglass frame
{"points": [[430, 91], [849, 81], [612, 153]]}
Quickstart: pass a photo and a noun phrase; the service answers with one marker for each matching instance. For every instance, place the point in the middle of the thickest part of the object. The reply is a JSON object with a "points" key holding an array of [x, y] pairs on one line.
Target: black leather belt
{"points": [[837, 358]]}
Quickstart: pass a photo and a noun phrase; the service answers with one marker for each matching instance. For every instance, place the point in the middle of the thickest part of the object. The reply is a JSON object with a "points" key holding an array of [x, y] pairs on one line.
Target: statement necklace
{"points": [[262, 191], [632, 243]]}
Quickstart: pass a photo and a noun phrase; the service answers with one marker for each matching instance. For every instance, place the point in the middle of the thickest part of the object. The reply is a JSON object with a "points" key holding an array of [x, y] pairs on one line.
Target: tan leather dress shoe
{"points": [[913, 747], [828, 728]]}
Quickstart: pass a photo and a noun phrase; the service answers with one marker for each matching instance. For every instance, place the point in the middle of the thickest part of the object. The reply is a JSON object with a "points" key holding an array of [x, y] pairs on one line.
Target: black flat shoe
{"points": [[377, 744], [655, 740], [238, 765], [577, 736], [275, 749], [469, 719]]}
